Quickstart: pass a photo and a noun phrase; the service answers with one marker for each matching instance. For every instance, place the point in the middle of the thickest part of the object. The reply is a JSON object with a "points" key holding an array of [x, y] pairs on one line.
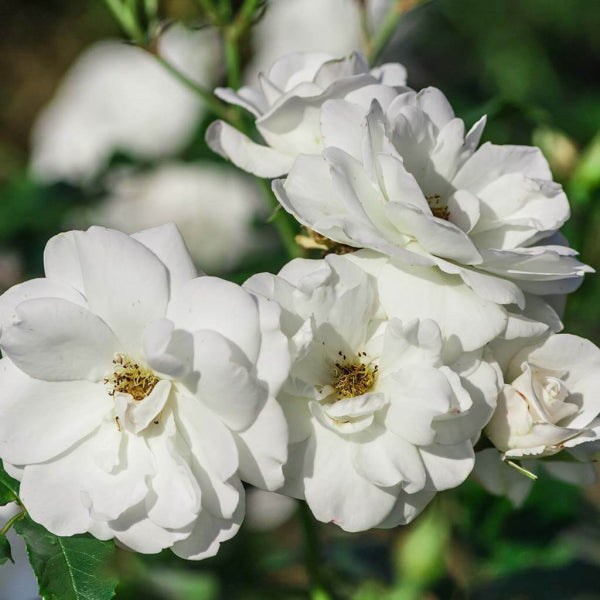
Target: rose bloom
{"points": [[550, 400], [213, 206], [133, 391], [295, 26], [378, 422], [116, 97], [406, 181], [288, 104]]}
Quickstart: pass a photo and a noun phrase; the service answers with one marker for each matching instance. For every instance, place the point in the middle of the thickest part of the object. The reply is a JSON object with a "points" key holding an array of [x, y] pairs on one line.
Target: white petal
{"points": [[211, 443], [273, 363], [225, 383], [417, 395], [341, 126], [447, 466], [335, 492], [466, 320], [433, 102], [413, 342], [168, 350], [138, 533], [61, 261], [166, 242], [438, 236], [262, 447], [407, 508], [492, 161], [390, 74], [209, 531], [246, 97], [56, 340], [262, 161], [33, 289], [221, 306], [463, 208], [388, 460], [41, 419], [175, 501], [51, 492], [489, 287], [125, 283], [109, 494]]}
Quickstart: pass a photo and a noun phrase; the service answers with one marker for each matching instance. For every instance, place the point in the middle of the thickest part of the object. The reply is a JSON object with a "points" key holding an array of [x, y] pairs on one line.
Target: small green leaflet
{"points": [[69, 568], [5, 553], [9, 487]]}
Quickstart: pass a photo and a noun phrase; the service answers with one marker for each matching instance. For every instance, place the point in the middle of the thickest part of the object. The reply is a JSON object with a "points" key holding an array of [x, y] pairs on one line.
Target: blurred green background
{"points": [[532, 66]]}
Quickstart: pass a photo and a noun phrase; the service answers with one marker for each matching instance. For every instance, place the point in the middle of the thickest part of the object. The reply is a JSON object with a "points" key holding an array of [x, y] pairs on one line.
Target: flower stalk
{"points": [[312, 555], [7, 527]]}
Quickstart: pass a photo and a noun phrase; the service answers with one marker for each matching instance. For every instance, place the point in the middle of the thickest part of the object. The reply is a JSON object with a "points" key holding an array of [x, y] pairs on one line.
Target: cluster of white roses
{"points": [[136, 395]]}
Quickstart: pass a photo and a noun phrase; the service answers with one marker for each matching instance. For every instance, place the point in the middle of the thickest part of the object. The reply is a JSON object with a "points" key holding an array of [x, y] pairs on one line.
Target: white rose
{"points": [[295, 26], [287, 107], [405, 181], [132, 392], [213, 207], [117, 97], [549, 401], [378, 423]]}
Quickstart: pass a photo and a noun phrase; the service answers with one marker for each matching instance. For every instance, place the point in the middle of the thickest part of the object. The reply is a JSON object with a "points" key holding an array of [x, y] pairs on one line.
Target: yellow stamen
{"points": [[438, 209], [353, 377], [131, 378], [315, 241]]}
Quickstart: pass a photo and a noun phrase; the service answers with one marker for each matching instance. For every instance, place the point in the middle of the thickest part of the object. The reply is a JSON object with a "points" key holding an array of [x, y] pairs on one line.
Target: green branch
{"points": [[11, 522], [211, 101]]}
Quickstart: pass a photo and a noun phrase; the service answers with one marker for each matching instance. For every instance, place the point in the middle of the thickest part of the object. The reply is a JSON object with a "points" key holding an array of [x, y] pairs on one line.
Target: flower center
{"points": [[353, 377], [130, 378], [438, 208], [554, 390]]}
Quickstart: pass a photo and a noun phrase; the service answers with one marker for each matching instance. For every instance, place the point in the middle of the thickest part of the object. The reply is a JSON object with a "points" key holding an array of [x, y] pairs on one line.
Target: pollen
{"points": [[438, 208], [353, 377], [130, 378]]}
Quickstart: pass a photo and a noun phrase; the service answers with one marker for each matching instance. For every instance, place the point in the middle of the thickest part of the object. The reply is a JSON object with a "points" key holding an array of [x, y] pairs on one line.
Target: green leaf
{"points": [[9, 487], [5, 553], [69, 568]]}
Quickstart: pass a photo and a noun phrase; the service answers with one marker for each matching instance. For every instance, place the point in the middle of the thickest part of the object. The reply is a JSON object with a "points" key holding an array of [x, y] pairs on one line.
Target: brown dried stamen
{"points": [[353, 377], [315, 241], [438, 209], [131, 378]]}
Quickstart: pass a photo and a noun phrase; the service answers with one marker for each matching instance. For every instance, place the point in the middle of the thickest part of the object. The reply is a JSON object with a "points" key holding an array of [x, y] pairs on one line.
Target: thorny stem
{"points": [[12, 521], [312, 558]]}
